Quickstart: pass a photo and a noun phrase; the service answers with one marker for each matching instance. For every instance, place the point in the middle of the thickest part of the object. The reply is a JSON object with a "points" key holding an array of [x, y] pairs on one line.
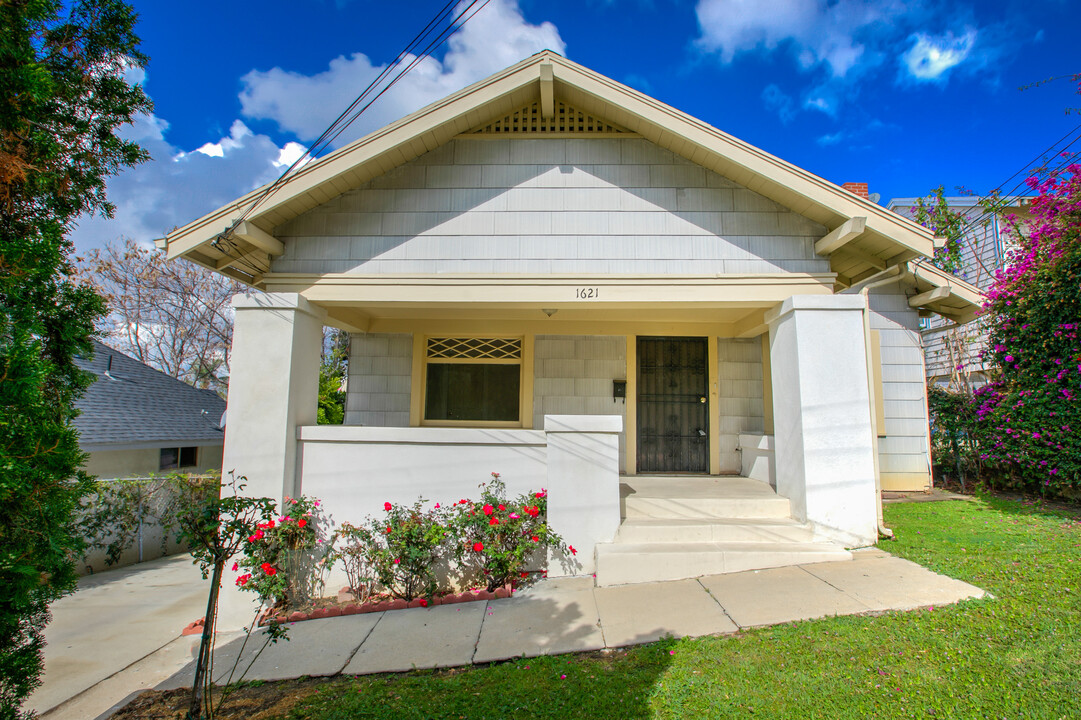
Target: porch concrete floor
{"points": [[97, 660], [714, 487]]}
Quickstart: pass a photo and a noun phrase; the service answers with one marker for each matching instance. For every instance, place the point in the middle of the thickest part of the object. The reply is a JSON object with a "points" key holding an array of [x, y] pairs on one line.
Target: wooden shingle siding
{"points": [[739, 374], [573, 375], [380, 374], [902, 450], [601, 205]]}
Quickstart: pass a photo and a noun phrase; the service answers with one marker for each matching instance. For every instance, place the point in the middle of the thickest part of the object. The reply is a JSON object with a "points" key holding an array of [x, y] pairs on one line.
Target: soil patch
{"points": [[254, 701]]}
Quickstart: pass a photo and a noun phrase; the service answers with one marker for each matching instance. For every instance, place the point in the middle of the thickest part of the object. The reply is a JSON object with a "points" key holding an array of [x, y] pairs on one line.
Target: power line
{"points": [[355, 109]]}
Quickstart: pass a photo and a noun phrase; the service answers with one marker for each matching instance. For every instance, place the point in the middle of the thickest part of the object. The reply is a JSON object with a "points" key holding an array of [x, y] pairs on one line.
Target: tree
{"points": [[1029, 416], [174, 316], [62, 98], [333, 369], [934, 213]]}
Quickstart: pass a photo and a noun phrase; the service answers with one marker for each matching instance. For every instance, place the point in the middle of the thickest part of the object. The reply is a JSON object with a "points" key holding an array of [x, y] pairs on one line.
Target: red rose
{"points": [[573, 551], [302, 522], [387, 506], [525, 575], [493, 521], [502, 507], [488, 509], [477, 547], [423, 602], [535, 538]]}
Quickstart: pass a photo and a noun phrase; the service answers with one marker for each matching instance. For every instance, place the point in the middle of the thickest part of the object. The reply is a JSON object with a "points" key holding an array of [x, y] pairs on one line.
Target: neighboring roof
{"points": [[903, 205], [133, 405], [883, 238]]}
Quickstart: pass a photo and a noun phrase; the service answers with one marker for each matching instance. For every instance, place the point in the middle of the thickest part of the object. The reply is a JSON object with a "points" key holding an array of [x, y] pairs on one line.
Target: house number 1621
{"points": [[586, 293]]}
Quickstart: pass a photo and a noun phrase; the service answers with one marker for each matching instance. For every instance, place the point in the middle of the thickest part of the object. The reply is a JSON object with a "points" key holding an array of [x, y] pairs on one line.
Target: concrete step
{"points": [[699, 507], [691, 530], [627, 563], [700, 497]]}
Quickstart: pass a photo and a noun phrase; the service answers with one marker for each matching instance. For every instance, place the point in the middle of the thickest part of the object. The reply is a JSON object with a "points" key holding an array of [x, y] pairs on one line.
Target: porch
{"points": [[814, 476]]}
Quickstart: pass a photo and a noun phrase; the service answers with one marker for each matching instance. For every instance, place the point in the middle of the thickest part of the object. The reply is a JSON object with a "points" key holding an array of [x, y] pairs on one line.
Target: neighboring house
{"points": [[555, 277], [954, 352], [138, 421]]}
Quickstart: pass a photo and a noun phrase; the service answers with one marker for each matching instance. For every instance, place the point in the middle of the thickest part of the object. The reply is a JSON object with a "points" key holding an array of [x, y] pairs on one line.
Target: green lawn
{"points": [[1016, 656]]}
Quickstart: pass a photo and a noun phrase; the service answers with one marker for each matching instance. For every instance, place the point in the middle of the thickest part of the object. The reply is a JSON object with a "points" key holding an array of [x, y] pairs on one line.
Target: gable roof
{"points": [[132, 405], [878, 239]]}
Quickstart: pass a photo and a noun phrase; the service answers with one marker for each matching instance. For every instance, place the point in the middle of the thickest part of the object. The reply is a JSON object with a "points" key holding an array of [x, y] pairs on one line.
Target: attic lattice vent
{"points": [[565, 120]]}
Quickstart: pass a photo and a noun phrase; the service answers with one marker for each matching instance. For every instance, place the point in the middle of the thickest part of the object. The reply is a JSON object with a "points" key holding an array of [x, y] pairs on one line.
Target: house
{"points": [[954, 352], [136, 421], [693, 345]]}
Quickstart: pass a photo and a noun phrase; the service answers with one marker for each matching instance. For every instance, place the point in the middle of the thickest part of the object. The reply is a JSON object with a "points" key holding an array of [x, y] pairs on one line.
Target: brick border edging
{"points": [[387, 604]]}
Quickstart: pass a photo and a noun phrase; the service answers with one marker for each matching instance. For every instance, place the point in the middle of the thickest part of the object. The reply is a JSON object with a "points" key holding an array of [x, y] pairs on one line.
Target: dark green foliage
{"points": [[62, 96], [332, 372], [934, 213]]}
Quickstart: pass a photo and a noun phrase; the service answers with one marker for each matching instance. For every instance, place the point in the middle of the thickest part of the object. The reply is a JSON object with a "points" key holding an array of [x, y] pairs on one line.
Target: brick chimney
{"points": [[857, 188]]}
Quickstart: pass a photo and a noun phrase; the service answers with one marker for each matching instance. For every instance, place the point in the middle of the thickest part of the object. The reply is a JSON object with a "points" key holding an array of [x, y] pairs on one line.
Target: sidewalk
{"points": [[556, 616]]}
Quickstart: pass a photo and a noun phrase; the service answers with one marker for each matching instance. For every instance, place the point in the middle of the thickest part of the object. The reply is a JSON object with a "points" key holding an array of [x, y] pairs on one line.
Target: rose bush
{"points": [[285, 557], [497, 538]]}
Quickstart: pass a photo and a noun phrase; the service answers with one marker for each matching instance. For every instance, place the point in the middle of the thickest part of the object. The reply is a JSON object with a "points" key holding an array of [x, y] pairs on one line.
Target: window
{"points": [[473, 379], [175, 458]]}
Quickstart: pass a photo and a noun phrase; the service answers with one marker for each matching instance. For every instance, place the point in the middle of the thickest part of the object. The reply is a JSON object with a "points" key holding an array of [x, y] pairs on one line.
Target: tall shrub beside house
{"points": [[1029, 417], [62, 98]]}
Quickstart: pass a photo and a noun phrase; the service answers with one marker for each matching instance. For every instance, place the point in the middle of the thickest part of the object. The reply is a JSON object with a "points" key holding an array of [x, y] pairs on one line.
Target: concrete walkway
{"points": [[555, 616]]}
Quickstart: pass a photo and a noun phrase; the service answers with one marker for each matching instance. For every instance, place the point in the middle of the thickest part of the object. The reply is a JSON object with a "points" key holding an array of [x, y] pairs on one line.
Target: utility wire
{"points": [[356, 109]]}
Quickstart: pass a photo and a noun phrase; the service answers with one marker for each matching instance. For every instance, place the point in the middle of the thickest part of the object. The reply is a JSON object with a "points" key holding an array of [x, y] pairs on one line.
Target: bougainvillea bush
{"points": [[496, 538], [1029, 416], [285, 557]]}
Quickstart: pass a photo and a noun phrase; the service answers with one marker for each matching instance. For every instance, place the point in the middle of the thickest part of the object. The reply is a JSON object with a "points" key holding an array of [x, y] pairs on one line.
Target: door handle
{"points": [[702, 399]]}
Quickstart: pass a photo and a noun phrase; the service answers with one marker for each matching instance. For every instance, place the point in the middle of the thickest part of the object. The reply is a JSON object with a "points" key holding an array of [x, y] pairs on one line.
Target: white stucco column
{"points": [[824, 451], [273, 388], [583, 484]]}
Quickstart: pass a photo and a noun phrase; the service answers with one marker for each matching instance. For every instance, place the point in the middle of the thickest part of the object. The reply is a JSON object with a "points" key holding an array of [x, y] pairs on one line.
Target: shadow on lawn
{"points": [[1016, 504]]}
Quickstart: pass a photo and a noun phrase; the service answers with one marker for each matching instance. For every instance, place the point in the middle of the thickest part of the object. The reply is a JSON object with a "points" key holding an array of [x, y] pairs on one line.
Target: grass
{"points": [[1015, 656]]}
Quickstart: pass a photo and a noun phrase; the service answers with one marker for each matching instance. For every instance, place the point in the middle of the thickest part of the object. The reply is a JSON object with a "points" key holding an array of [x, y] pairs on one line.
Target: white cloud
{"points": [[175, 186], [179, 185], [931, 58], [819, 33], [780, 102], [496, 37]]}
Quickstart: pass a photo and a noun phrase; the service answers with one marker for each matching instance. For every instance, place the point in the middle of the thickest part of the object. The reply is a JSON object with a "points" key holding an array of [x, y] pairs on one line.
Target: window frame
{"points": [[524, 385]]}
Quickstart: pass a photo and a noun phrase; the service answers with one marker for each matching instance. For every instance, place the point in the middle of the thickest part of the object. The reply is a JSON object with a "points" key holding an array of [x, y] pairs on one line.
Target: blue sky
{"points": [[902, 95]]}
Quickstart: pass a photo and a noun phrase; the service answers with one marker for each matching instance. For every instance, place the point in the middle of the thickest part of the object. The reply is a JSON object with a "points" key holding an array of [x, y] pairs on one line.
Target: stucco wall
{"points": [[739, 372], [573, 376], [902, 452], [550, 205], [380, 375], [141, 462]]}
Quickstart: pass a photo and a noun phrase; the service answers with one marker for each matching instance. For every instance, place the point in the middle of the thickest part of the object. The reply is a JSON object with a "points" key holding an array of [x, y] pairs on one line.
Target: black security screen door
{"points": [[673, 410]]}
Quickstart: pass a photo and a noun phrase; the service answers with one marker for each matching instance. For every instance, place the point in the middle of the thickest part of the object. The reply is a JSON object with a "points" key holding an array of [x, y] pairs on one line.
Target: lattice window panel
{"points": [[475, 348], [565, 120]]}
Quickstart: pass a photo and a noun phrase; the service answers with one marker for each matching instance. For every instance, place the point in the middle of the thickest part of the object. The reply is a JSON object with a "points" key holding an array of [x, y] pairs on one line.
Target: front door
{"points": [[673, 407]]}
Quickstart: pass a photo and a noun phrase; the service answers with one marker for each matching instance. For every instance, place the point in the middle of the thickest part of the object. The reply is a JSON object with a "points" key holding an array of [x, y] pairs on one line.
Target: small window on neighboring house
{"points": [[176, 458], [925, 323], [473, 379]]}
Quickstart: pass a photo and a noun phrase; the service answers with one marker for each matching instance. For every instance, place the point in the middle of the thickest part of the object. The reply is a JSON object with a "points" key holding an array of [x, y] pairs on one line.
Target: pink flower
{"points": [[541, 494], [514, 516], [397, 561], [387, 506], [236, 566], [437, 506]]}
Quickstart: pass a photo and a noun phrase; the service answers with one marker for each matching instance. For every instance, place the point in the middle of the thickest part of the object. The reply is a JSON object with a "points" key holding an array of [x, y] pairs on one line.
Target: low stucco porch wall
{"points": [[354, 470]]}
